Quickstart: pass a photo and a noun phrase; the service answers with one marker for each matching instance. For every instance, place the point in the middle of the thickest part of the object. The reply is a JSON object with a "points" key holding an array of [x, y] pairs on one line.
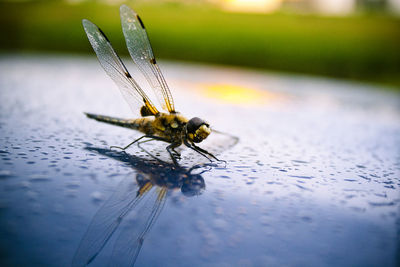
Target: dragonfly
{"points": [[145, 197], [168, 126]]}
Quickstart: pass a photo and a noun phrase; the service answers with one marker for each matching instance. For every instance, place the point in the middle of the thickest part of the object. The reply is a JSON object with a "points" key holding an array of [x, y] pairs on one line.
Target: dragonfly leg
{"points": [[206, 152], [202, 151], [173, 153], [190, 146], [152, 137], [123, 148], [176, 153], [148, 153], [171, 148], [145, 141]]}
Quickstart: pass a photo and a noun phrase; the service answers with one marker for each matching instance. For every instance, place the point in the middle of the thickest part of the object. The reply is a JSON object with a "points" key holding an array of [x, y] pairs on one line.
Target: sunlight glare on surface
{"points": [[236, 94]]}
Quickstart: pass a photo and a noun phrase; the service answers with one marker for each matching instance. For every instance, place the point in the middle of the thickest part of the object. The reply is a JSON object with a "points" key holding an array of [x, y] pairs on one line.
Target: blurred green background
{"points": [[363, 45]]}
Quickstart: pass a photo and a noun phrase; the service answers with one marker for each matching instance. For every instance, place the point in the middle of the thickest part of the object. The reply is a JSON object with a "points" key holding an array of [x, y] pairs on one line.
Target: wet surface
{"points": [[313, 180]]}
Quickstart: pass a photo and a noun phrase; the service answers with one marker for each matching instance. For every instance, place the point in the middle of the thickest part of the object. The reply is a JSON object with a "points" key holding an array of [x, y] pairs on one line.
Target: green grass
{"points": [[365, 48]]}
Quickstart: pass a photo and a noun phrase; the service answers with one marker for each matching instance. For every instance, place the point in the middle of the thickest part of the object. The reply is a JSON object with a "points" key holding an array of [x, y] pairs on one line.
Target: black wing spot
{"points": [[144, 111], [127, 74], [153, 61], [140, 21]]}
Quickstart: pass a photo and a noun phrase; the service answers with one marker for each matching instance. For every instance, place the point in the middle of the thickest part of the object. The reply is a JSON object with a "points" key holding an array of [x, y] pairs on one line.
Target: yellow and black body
{"points": [[171, 128]]}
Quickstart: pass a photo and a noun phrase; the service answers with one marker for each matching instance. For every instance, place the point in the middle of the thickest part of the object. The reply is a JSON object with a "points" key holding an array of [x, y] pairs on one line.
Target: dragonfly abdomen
{"points": [[145, 125], [115, 121]]}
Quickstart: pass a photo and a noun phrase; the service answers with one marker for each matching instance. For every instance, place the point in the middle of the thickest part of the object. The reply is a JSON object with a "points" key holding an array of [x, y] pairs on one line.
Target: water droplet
{"points": [[96, 196], [381, 204], [5, 173], [264, 220], [220, 224], [301, 177], [300, 161], [38, 178]]}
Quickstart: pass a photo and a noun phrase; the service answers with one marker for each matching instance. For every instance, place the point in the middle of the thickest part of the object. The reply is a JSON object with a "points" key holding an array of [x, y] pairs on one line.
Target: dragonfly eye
{"points": [[197, 130]]}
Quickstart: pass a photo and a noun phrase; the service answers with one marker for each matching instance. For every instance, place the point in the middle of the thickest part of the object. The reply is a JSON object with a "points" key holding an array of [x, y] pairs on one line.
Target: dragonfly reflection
{"points": [[145, 197]]}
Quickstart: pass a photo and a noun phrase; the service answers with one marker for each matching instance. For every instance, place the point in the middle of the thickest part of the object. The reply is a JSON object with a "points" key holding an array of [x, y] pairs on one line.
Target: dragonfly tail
{"points": [[112, 120]]}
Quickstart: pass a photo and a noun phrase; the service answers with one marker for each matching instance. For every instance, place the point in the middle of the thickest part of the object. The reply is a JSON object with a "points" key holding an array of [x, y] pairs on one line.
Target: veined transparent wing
{"points": [[107, 220], [141, 52], [116, 69], [130, 240]]}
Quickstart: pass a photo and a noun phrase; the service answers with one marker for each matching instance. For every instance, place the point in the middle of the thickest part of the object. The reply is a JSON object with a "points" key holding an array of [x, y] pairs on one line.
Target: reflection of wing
{"points": [[106, 221], [140, 50], [116, 69], [130, 241]]}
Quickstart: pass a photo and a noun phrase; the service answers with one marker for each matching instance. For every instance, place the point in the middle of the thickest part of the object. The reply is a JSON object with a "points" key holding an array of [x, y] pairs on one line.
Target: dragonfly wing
{"points": [[106, 221], [130, 241], [116, 69], [141, 52]]}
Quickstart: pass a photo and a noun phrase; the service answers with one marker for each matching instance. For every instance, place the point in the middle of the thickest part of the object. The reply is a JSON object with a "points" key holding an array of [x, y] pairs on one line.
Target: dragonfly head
{"points": [[197, 130]]}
